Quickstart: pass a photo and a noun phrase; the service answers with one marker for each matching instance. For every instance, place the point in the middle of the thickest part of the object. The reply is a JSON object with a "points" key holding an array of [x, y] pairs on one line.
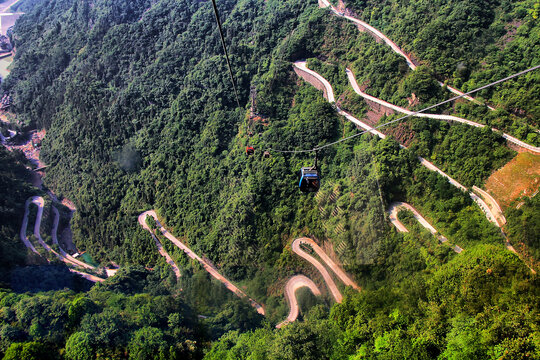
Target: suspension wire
{"points": [[225, 50], [317, 148]]}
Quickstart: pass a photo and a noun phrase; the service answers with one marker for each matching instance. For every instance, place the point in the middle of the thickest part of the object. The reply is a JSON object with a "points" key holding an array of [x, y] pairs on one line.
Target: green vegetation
{"points": [[523, 224], [470, 44], [457, 310], [131, 312], [15, 193], [451, 148], [139, 113]]}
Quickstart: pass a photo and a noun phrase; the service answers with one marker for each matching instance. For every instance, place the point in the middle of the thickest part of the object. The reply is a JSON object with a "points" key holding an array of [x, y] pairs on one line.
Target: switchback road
{"points": [[24, 226], [295, 283], [320, 267], [324, 257], [205, 264], [299, 281], [394, 210], [162, 251], [356, 88], [39, 202], [314, 77], [380, 36], [318, 81]]}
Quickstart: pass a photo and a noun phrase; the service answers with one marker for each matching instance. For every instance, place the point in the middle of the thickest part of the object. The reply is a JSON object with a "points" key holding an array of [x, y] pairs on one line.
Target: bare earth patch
{"points": [[519, 177], [402, 132]]}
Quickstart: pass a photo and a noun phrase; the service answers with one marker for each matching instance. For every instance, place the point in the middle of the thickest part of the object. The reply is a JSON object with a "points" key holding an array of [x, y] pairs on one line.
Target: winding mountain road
{"points": [[493, 213], [205, 264], [393, 211], [356, 88], [162, 251], [380, 36], [299, 281], [39, 202], [493, 205], [324, 257], [293, 284], [313, 76], [501, 220], [24, 226], [296, 282], [320, 267], [62, 252], [327, 88], [318, 81]]}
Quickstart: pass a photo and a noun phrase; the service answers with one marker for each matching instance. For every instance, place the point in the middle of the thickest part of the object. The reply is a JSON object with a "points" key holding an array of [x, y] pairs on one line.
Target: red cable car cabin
{"points": [[249, 150]]}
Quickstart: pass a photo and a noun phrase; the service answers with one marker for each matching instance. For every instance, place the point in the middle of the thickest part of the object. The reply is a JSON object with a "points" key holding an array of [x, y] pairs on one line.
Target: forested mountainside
{"points": [[468, 44], [140, 114], [16, 191]]}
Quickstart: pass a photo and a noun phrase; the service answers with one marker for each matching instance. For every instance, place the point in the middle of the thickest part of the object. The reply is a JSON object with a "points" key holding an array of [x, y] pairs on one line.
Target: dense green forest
{"points": [[15, 192], [469, 44], [523, 222], [135, 311], [454, 311], [140, 114]]}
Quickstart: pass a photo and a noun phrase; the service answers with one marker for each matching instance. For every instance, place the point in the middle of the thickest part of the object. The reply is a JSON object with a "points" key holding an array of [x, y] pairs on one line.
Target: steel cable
{"points": [[317, 148], [225, 50]]}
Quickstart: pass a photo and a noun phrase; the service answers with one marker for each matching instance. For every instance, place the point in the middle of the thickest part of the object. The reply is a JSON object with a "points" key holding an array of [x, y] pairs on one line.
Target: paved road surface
{"points": [[493, 205], [88, 277], [380, 36], [314, 75], [483, 206], [360, 123], [299, 281], [54, 236], [501, 220], [295, 283], [302, 65], [162, 251], [356, 88], [325, 258], [326, 276], [393, 211], [24, 226], [207, 266], [39, 202]]}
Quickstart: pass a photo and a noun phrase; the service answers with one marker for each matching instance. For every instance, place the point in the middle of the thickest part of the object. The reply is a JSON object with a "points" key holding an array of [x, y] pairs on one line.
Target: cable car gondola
{"points": [[309, 178], [249, 150]]}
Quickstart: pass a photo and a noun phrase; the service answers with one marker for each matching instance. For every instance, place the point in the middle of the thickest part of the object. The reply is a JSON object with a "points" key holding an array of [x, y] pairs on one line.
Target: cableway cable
{"points": [[317, 148], [225, 50]]}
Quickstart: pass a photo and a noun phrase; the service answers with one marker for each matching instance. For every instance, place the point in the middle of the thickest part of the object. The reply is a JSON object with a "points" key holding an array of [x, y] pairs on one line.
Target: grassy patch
{"points": [[520, 177]]}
